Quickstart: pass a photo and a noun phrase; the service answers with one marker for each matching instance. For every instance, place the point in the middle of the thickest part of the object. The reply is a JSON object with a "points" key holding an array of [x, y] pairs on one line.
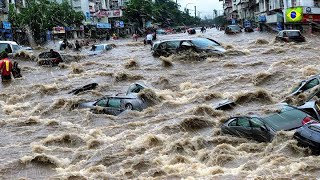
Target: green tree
{"points": [[42, 15], [164, 12]]}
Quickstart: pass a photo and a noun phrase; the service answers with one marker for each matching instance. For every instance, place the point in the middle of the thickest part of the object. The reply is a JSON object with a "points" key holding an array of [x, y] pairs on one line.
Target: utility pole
{"points": [[195, 11]]}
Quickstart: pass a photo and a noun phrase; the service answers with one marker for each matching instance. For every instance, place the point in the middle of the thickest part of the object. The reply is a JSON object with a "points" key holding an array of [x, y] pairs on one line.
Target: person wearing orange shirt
{"points": [[5, 67]]}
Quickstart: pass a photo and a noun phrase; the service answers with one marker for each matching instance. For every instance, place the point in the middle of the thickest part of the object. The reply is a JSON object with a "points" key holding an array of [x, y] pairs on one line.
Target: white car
{"points": [[13, 47], [99, 48]]}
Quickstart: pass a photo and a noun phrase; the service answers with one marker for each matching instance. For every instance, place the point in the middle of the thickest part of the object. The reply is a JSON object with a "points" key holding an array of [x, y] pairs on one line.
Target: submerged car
{"points": [[99, 48], [290, 36], [168, 47], [51, 58], [309, 136], [264, 128], [233, 29], [306, 85], [114, 105]]}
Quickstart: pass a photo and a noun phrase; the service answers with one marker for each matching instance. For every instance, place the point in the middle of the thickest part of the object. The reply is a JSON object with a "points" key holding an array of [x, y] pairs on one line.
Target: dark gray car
{"points": [[168, 47], [309, 136], [114, 105], [264, 128]]}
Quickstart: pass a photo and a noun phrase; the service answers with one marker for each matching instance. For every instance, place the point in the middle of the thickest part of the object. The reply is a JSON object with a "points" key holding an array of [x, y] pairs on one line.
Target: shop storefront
{"points": [[305, 19], [103, 31]]}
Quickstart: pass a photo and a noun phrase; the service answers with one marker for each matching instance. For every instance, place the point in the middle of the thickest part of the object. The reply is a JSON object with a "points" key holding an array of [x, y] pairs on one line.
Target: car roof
{"points": [[185, 39], [9, 42], [101, 44], [290, 30]]}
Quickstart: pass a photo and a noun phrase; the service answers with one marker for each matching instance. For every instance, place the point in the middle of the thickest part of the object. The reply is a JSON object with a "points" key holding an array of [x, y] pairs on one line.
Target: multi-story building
{"points": [[307, 14], [275, 14]]}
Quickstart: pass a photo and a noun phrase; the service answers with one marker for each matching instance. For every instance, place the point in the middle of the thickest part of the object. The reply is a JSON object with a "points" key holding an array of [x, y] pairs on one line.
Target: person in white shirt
{"points": [[149, 39]]}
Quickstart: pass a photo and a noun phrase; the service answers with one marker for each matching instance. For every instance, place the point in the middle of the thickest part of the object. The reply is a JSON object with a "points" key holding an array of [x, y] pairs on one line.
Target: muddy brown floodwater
{"points": [[43, 137]]}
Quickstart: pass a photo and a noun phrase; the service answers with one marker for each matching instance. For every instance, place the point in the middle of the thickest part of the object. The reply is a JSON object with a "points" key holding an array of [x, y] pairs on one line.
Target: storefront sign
{"points": [[119, 24], [294, 14], [111, 13], [58, 30], [311, 18], [104, 25]]}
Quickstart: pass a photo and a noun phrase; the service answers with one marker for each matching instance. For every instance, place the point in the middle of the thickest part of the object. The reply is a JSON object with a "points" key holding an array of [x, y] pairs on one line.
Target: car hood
{"points": [[219, 49]]}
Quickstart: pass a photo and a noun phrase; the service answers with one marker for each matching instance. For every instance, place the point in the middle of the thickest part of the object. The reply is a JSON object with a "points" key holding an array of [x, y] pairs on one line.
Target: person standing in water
{"points": [[5, 67]]}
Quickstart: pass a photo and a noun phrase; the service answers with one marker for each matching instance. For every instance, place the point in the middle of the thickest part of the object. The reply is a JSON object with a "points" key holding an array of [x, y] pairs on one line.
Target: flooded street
{"points": [[43, 135]]}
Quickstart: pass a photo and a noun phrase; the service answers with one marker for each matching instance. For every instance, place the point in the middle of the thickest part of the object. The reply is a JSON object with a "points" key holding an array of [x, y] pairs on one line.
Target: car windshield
{"points": [[99, 47], [3, 46], [293, 33], [204, 43], [287, 119], [315, 128]]}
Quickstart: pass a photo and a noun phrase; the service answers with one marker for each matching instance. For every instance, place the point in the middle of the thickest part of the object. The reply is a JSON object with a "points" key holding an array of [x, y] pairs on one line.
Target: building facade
{"points": [[274, 15]]}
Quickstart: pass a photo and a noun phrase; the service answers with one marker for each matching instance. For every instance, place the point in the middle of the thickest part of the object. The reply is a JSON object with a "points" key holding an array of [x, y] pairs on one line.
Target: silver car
{"points": [[114, 105]]}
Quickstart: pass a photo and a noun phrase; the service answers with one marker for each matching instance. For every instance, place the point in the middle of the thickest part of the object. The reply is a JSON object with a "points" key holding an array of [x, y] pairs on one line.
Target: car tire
{"points": [[128, 106]]}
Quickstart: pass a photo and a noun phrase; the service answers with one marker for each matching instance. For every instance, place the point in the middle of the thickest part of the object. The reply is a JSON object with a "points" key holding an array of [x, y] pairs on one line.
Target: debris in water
{"points": [[166, 61], [76, 68], [261, 41], [124, 76]]}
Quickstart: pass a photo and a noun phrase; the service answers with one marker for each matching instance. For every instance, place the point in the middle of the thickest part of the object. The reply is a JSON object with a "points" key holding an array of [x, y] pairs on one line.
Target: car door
{"points": [[161, 50], [113, 106], [260, 132], [241, 127]]}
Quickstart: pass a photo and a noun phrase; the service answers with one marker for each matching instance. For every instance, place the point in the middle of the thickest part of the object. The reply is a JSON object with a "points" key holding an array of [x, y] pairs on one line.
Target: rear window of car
{"points": [[288, 117], [204, 43], [293, 33]]}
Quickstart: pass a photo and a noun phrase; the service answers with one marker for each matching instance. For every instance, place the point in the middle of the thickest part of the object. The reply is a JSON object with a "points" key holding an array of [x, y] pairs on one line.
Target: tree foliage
{"points": [[164, 12], [42, 15]]}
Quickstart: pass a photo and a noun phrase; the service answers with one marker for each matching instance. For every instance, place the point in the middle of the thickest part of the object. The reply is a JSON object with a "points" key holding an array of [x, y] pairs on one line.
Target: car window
{"points": [[315, 128], [99, 48], [280, 34], [244, 122], [204, 43], [114, 102], [162, 45], [173, 44], [312, 83], [102, 102], [16, 48], [234, 27], [293, 33], [134, 88], [255, 122], [233, 123], [3, 46]]}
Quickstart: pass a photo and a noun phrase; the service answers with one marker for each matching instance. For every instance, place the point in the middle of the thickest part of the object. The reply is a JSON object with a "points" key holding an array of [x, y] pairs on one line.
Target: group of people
{"points": [[7, 68], [77, 47]]}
